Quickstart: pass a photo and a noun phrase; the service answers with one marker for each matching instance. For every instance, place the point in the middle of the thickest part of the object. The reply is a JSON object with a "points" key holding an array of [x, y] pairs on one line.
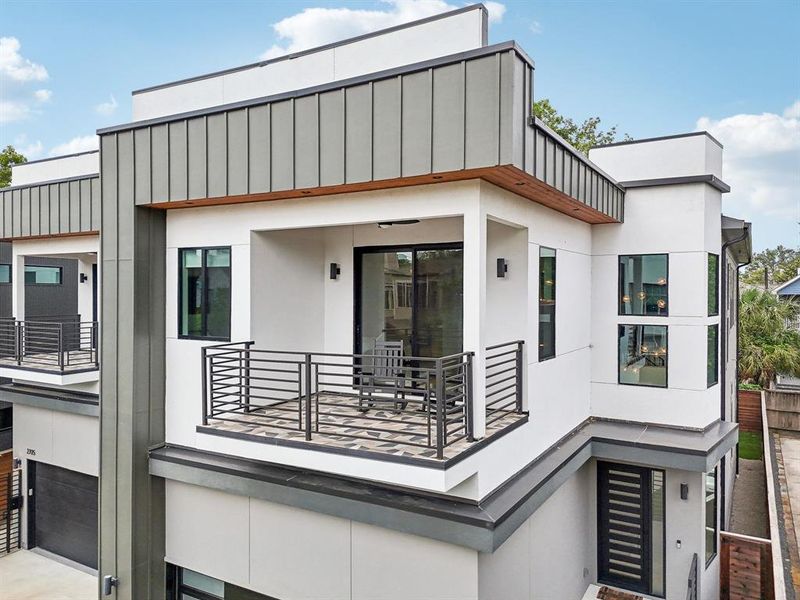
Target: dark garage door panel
{"points": [[66, 513]]}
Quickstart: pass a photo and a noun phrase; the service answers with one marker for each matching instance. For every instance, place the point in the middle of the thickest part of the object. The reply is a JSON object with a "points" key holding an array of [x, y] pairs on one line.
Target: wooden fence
{"points": [[783, 409], [750, 410], [745, 568]]}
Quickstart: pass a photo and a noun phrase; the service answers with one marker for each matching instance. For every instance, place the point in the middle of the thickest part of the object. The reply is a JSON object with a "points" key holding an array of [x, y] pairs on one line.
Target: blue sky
{"points": [[651, 68]]}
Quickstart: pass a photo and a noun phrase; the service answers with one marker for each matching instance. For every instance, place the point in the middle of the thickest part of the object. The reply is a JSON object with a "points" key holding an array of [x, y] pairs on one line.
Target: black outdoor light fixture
{"points": [[84, 278], [684, 491], [502, 267], [335, 270]]}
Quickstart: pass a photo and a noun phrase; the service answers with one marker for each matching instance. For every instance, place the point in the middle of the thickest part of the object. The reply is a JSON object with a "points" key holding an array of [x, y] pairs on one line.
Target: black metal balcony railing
{"points": [[412, 401], [691, 592], [49, 344], [504, 369]]}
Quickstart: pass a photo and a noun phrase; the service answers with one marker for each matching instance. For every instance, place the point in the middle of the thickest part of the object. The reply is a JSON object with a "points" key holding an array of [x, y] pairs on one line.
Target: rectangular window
{"points": [[643, 284], [711, 515], [204, 293], [5, 273], [713, 285], [37, 275], [185, 584], [643, 355], [547, 303], [713, 355]]}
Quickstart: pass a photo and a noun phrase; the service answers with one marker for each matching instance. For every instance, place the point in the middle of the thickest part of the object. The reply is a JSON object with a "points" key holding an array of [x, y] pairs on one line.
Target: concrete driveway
{"points": [[29, 576]]}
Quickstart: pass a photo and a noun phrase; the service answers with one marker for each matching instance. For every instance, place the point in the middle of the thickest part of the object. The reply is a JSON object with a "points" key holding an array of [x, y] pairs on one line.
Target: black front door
{"points": [[629, 503], [410, 294]]}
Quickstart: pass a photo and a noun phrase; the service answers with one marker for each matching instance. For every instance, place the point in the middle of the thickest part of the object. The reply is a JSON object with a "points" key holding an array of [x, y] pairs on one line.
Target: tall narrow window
{"points": [[204, 290], [5, 273], [547, 303], [711, 515], [713, 284], [643, 285], [643, 355], [712, 366]]}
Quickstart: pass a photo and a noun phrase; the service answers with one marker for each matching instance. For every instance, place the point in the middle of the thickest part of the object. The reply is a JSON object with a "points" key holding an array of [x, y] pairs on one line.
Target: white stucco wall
{"points": [[442, 37], [56, 168]]}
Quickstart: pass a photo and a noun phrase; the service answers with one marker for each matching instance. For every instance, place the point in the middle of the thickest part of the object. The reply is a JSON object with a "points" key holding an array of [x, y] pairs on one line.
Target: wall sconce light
{"points": [[684, 491], [335, 271], [502, 267], [84, 278]]}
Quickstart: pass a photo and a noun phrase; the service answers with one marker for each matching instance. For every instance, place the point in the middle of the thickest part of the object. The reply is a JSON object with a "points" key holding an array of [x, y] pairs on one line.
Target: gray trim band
{"points": [[482, 525], [324, 87], [661, 138], [322, 48], [11, 188], [58, 400], [48, 159], [711, 180]]}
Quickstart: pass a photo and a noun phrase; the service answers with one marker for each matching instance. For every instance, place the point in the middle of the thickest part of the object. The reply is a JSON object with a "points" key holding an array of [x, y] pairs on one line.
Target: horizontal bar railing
{"points": [[418, 401], [58, 344], [504, 372]]}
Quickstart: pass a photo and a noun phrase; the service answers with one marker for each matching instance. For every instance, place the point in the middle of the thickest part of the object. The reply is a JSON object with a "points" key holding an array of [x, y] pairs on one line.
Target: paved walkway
{"points": [[787, 454], [749, 514], [29, 576]]}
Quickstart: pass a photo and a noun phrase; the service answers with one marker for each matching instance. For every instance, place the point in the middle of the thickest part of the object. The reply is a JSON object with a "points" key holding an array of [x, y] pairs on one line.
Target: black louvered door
{"points": [[623, 518]]}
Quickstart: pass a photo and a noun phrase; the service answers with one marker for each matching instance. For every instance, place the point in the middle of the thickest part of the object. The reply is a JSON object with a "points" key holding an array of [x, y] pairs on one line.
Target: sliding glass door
{"points": [[410, 294]]}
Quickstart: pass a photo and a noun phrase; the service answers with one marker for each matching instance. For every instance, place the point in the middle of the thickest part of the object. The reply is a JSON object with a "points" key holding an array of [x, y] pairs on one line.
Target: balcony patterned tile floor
{"points": [[404, 432], [78, 360]]}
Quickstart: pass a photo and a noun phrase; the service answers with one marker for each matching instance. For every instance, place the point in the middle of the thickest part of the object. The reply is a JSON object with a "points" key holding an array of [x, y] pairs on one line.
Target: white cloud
{"points": [[43, 95], [761, 162], [536, 27], [13, 111], [107, 108], [318, 26], [14, 66], [82, 143]]}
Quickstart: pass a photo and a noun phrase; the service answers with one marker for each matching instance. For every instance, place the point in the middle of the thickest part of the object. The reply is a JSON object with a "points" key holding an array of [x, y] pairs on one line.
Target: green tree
{"points": [[768, 344], [583, 136], [781, 264], [8, 157]]}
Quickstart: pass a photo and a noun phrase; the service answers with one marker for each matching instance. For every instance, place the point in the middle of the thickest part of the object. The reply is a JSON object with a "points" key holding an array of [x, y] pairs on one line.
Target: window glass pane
{"points": [[547, 303], [643, 285], [5, 273], [713, 355], [643, 355], [35, 275], [658, 524], [202, 582], [713, 284], [218, 280], [191, 283], [711, 514]]}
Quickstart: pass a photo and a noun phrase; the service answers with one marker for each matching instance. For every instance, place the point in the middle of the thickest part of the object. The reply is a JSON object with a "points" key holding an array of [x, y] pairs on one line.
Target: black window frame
{"points": [[716, 284], [176, 588], [59, 269], [10, 274], [542, 356], [710, 557], [204, 251], [709, 382], [619, 285], [666, 356]]}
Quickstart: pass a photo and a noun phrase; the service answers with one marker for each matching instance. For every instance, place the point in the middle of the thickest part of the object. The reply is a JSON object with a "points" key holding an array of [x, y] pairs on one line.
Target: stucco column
{"points": [[475, 307], [18, 285]]}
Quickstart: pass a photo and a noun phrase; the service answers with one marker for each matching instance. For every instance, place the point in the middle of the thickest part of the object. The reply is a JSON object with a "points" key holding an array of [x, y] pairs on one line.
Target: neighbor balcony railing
{"points": [[50, 344], [416, 401]]}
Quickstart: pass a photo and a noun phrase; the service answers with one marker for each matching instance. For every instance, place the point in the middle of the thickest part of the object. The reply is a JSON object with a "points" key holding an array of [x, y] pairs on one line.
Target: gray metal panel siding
{"points": [[54, 300], [417, 119], [217, 152], [95, 191], [331, 138], [85, 205], [75, 206], [198, 159], [358, 133], [178, 161], [386, 128], [237, 153], [142, 165], [306, 142], [36, 195], [448, 118], [482, 112], [258, 149], [159, 164], [25, 212], [282, 153]]}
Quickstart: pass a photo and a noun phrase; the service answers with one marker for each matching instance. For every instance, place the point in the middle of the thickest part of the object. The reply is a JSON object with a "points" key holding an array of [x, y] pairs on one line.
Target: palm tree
{"points": [[768, 345]]}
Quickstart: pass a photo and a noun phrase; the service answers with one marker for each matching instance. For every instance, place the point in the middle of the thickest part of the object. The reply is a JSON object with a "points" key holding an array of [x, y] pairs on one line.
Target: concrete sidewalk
{"points": [[29, 576]]}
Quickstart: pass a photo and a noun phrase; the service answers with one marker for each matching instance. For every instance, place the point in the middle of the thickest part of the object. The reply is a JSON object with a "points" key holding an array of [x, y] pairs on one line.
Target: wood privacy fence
{"points": [[745, 568], [750, 410], [783, 409]]}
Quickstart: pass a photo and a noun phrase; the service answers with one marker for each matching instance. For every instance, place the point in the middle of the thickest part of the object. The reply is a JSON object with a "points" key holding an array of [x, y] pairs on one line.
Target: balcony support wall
{"points": [[475, 307]]}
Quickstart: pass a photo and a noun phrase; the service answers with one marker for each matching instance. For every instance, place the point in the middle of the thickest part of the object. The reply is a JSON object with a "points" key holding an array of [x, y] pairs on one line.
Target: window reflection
{"points": [[643, 285], [643, 355]]}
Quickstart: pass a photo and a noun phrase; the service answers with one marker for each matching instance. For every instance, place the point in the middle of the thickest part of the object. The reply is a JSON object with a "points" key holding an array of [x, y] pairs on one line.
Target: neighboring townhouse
{"points": [[789, 292], [49, 357], [371, 330]]}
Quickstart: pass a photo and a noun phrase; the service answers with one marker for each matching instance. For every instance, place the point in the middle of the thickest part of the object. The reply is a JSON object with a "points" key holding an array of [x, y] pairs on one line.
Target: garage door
{"points": [[63, 515]]}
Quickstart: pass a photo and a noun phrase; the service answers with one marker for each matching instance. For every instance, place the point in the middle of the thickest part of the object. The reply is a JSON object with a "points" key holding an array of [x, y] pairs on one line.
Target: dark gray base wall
{"points": [[132, 388]]}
